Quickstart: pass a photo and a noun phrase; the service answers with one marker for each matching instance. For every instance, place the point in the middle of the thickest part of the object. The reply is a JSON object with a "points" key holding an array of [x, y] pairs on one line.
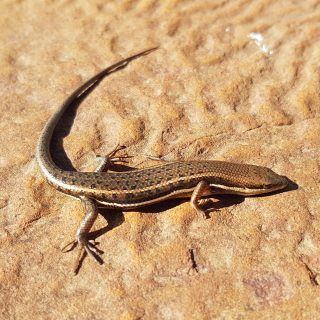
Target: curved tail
{"points": [[48, 167]]}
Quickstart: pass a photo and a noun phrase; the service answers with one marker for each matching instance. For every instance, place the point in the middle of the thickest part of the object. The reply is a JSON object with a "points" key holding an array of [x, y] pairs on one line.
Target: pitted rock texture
{"points": [[232, 80]]}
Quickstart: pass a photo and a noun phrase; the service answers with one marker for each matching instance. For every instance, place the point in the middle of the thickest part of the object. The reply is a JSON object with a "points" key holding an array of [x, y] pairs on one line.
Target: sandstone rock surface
{"points": [[232, 80]]}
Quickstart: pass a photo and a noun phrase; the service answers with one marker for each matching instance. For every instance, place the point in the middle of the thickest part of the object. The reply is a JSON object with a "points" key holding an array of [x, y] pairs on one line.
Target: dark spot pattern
{"points": [[154, 182]]}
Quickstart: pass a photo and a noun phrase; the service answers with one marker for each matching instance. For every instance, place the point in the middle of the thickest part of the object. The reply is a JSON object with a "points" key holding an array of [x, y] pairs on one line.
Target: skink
{"points": [[142, 187]]}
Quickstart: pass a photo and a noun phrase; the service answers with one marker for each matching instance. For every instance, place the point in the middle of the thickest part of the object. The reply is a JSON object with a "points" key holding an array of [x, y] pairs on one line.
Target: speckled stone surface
{"points": [[232, 80]]}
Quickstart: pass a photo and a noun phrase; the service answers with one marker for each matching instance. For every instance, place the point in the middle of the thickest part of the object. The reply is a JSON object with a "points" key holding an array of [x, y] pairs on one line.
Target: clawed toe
{"points": [[93, 251], [111, 158], [88, 246], [92, 246]]}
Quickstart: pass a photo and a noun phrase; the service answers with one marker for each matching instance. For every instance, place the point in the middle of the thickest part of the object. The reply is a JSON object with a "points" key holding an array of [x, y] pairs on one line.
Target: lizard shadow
{"points": [[115, 218], [62, 130]]}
